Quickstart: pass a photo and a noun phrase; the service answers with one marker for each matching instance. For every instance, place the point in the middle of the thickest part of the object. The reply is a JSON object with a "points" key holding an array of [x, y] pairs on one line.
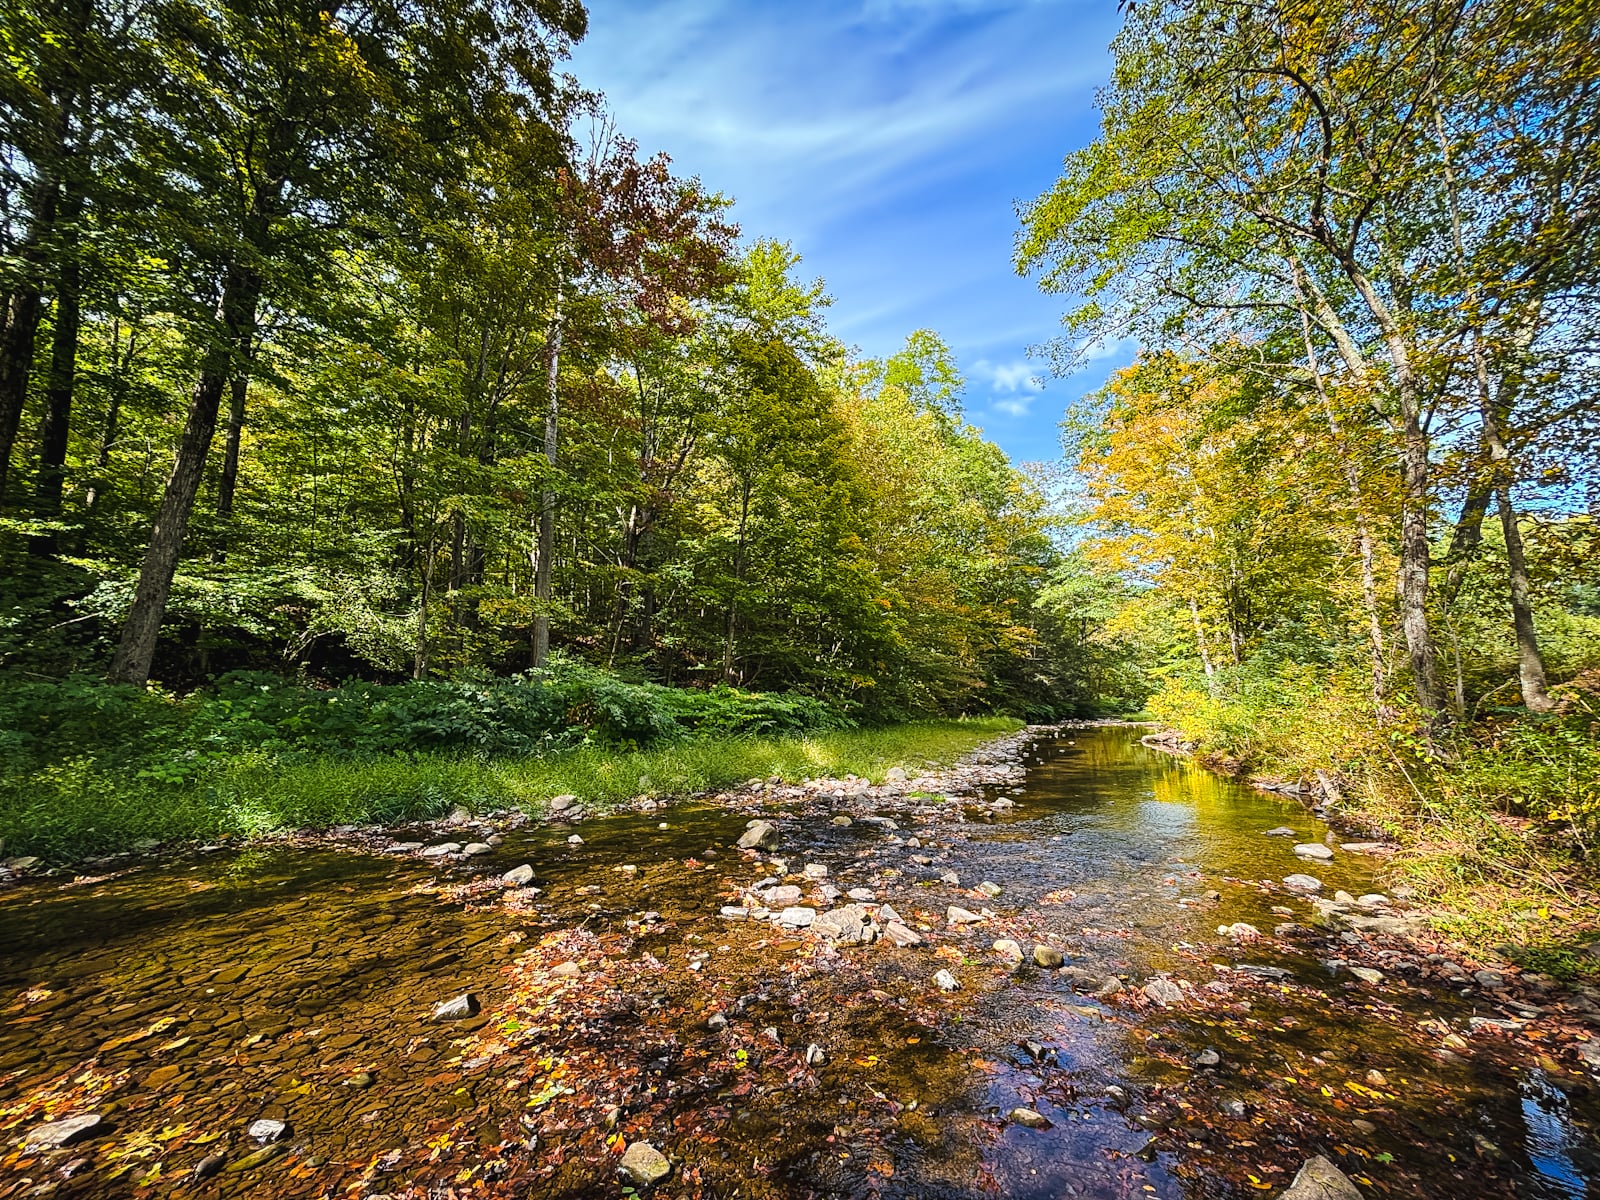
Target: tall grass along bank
{"points": [[77, 807]]}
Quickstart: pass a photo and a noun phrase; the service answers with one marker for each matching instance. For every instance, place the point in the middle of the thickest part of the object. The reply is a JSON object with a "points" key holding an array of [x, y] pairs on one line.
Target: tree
{"points": [[292, 123]]}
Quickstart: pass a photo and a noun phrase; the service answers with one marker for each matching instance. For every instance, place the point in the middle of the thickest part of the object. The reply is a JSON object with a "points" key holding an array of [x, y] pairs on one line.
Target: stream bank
{"points": [[1129, 967]]}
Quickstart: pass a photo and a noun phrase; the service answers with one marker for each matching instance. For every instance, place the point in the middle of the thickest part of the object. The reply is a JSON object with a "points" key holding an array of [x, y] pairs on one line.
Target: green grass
{"points": [[75, 808]]}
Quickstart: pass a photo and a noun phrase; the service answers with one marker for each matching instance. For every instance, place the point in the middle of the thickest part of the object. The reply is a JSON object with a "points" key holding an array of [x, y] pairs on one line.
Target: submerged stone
{"points": [[644, 1165], [1314, 850], [518, 876], [457, 1009], [1164, 992], [55, 1134], [1029, 1117], [268, 1130]]}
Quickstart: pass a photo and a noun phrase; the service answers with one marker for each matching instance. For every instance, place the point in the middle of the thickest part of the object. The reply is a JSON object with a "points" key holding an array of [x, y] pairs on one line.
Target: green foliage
{"points": [[85, 804]]}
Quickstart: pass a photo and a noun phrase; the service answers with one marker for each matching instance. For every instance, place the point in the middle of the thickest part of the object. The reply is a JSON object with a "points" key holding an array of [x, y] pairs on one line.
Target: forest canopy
{"points": [[357, 342]]}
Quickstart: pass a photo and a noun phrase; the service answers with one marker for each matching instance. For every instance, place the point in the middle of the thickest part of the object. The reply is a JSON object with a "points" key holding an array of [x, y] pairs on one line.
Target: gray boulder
{"points": [[1319, 1179], [762, 835]]}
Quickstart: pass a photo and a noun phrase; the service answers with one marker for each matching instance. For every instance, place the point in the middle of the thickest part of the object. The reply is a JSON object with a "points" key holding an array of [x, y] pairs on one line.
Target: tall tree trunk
{"points": [[728, 675], [1465, 539], [547, 497], [1530, 662], [137, 649], [1352, 482], [1200, 639], [228, 485], [117, 387], [26, 309], [419, 664], [1415, 474], [56, 424]]}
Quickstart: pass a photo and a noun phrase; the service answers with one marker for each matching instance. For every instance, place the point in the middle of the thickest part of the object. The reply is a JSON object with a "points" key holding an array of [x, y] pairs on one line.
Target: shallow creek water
{"points": [[183, 1000]]}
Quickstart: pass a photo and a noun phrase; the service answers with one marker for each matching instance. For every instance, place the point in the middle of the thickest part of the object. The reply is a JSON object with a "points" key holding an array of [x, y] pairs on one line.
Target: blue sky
{"points": [[887, 141]]}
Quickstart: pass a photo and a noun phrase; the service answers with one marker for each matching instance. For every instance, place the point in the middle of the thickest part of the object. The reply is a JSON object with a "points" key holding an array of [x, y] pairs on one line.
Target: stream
{"points": [[626, 997]]}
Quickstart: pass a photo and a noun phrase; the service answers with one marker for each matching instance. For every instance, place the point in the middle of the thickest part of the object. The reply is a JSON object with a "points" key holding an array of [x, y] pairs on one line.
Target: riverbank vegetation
{"points": [[91, 768], [1349, 486]]}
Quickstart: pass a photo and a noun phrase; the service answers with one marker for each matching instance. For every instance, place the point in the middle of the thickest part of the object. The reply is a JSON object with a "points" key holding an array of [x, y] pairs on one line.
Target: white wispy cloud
{"points": [[1009, 377], [886, 139]]}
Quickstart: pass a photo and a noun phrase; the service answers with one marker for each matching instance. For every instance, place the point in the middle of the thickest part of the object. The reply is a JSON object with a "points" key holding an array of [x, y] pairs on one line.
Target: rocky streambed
{"points": [[1070, 966]]}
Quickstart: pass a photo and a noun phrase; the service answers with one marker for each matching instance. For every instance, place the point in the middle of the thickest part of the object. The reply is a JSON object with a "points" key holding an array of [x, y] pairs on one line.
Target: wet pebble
{"points": [[1048, 957]]}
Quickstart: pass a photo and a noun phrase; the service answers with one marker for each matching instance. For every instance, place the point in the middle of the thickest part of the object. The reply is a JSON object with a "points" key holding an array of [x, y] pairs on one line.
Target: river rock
{"points": [[457, 1008], [735, 913], [956, 915], [267, 1130], [1008, 950], [1363, 847], [56, 1134], [1492, 980], [1303, 883], [950, 877], [1367, 974], [848, 926], [762, 835], [990, 890], [895, 775], [1240, 931], [473, 849], [1319, 1179], [562, 803], [1372, 900], [781, 897], [575, 839], [1280, 831], [1164, 992], [1207, 1058], [815, 871], [1048, 957], [1108, 989], [518, 876], [945, 981], [1029, 1117], [842, 821], [1314, 850], [796, 917], [255, 1158], [900, 935], [862, 895], [644, 1165], [816, 1056], [1344, 897], [442, 849]]}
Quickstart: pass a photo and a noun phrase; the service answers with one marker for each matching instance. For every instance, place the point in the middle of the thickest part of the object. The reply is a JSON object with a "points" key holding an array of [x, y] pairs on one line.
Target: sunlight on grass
{"points": [[76, 809]]}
